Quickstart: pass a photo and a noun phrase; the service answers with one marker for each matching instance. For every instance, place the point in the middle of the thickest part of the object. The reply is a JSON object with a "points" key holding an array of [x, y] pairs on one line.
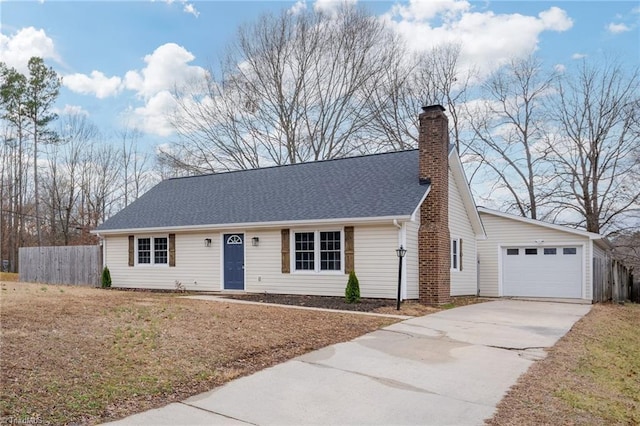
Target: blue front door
{"points": [[234, 261]]}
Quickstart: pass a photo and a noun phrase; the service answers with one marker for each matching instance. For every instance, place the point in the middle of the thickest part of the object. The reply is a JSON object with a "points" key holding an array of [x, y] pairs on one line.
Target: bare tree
{"points": [[99, 178], [133, 165], [411, 82], [595, 144], [292, 88], [508, 134], [627, 248], [443, 82], [62, 180]]}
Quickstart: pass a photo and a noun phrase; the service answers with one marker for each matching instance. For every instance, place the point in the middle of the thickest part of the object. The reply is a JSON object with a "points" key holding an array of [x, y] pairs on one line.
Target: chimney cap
{"points": [[437, 107]]}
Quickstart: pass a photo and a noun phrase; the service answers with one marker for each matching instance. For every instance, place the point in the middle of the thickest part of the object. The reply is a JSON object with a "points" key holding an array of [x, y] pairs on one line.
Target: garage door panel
{"points": [[540, 274]]}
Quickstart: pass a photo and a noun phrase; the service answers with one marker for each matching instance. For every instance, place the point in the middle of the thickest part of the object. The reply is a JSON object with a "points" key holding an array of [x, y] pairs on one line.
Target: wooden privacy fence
{"points": [[612, 280], [74, 265]]}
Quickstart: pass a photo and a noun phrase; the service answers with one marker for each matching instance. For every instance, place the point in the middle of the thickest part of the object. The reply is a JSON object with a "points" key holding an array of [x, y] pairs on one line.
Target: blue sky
{"points": [[120, 59]]}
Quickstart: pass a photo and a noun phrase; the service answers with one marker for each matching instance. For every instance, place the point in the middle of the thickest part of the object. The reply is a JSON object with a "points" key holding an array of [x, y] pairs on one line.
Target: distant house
{"points": [[299, 229]]}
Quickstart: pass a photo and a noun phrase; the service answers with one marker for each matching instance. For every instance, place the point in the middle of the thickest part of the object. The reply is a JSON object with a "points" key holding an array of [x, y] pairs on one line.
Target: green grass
{"points": [[611, 362]]}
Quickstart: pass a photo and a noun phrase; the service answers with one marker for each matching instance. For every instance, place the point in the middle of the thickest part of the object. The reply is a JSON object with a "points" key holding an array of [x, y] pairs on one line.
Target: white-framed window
{"points": [[152, 250], [456, 254], [305, 251], [318, 251]]}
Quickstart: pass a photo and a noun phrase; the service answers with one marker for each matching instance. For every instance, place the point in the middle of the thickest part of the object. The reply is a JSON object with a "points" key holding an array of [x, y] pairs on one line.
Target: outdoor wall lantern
{"points": [[255, 241], [400, 252], [207, 242]]}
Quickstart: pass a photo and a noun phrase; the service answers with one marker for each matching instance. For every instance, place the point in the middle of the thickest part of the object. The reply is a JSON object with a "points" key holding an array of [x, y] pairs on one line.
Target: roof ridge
{"points": [[291, 165]]}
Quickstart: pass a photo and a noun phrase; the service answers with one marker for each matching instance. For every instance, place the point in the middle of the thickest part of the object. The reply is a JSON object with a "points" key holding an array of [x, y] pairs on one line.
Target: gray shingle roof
{"points": [[358, 187]]}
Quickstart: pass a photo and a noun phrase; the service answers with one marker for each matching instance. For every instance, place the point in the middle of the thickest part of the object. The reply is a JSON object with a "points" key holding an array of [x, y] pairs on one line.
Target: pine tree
{"points": [[352, 292], [106, 278]]}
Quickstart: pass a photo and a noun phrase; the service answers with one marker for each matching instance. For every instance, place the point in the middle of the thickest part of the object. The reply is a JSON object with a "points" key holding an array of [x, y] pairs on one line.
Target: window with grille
{"points": [[153, 251], [330, 251], [144, 250], [305, 251], [318, 251]]}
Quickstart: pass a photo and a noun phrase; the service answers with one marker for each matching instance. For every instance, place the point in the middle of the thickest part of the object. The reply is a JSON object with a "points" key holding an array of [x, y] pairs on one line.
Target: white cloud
{"points": [[555, 19], [187, 7], [17, 49], [578, 55], [167, 67], [560, 68], [190, 8], [617, 28], [298, 7], [152, 117], [330, 6], [487, 40], [418, 10], [71, 110], [97, 84]]}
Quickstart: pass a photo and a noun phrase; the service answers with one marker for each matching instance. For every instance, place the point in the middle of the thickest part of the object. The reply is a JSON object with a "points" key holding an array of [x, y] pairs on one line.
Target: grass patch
{"points": [[85, 355], [592, 376]]}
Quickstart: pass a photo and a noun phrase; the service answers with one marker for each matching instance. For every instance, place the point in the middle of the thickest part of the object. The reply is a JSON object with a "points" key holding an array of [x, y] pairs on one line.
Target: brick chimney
{"points": [[433, 237]]}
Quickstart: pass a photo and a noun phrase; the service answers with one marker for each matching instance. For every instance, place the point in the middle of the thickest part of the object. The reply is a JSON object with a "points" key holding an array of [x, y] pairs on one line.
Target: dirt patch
{"points": [[8, 276], [590, 377], [84, 355]]}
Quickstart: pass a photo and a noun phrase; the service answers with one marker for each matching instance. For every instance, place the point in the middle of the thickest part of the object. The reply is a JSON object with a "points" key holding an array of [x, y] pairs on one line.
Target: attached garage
{"points": [[522, 257]]}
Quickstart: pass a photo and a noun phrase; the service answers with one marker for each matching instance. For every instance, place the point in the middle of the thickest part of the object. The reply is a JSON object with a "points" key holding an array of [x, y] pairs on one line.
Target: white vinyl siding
{"points": [[197, 267], [598, 252], [376, 265], [411, 258], [511, 233], [463, 282]]}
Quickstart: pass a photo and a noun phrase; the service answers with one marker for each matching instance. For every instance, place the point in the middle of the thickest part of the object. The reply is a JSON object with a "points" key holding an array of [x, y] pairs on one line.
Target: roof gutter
{"points": [[254, 225]]}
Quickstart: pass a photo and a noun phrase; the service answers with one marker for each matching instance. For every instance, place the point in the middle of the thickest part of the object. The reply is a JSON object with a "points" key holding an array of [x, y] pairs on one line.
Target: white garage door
{"points": [[542, 271]]}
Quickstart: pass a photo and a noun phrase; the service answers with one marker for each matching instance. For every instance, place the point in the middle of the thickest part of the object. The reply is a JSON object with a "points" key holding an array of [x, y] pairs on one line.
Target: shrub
{"points": [[352, 292], [106, 278]]}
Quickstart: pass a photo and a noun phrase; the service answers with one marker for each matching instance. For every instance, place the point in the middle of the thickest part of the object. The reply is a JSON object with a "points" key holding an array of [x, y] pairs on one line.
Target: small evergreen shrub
{"points": [[352, 292], [106, 278]]}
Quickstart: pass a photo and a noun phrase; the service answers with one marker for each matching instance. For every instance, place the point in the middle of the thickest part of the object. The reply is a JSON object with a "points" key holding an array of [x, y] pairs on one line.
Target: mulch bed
{"points": [[327, 302]]}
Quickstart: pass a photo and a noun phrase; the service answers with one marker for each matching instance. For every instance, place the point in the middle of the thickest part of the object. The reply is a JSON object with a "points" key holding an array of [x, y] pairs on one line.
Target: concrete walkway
{"points": [[448, 368]]}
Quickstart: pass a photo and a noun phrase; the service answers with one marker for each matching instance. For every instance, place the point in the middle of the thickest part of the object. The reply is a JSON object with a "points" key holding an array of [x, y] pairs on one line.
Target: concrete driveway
{"points": [[448, 368]]}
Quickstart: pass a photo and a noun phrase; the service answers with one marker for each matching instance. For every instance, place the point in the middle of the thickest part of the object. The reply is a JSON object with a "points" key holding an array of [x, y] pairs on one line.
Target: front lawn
{"points": [[84, 355], [591, 377]]}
